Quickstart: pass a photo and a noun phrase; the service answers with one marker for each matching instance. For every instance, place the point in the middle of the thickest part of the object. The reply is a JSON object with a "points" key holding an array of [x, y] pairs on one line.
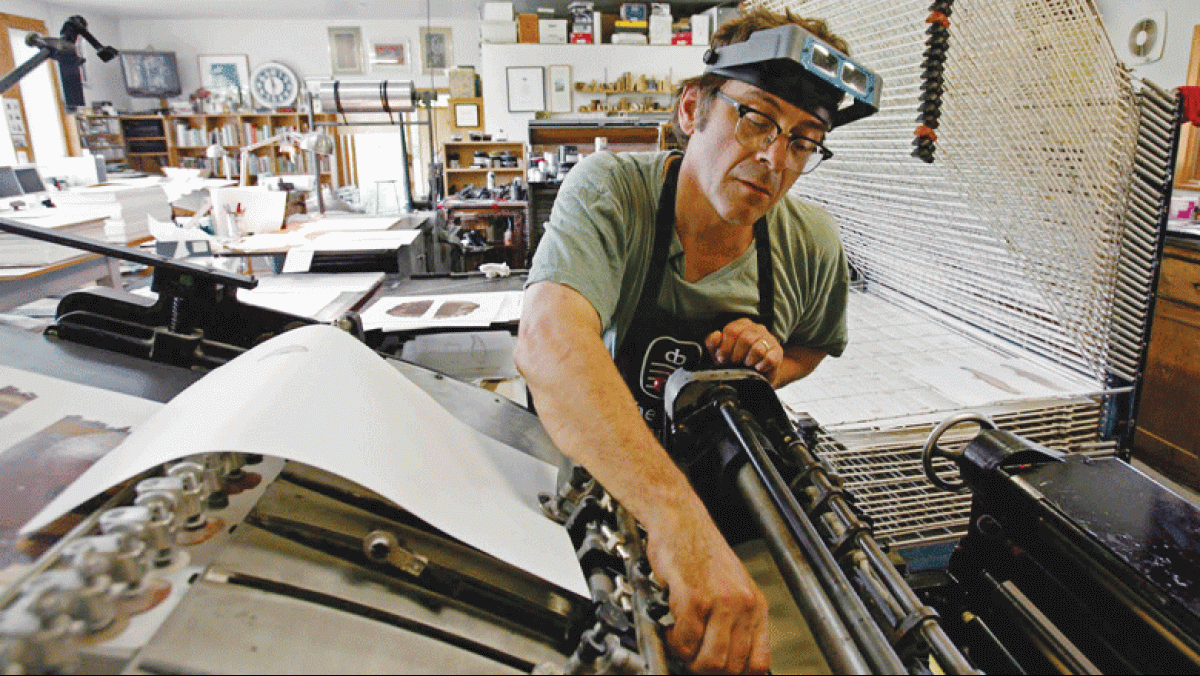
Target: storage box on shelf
{"points": [[155, 141]]}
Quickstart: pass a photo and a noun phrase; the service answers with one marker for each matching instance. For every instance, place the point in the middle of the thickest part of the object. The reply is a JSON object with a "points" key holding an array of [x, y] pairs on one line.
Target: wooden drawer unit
{"points": [[1168, 420], [1179, 279]]}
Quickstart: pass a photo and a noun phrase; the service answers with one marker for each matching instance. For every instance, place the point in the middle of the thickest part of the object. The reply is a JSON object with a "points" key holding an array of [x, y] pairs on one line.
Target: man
{"points": [[653, 261]]}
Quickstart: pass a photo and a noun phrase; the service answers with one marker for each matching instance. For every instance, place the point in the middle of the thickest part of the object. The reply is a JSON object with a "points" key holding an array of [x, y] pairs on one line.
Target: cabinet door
{"points": [[1168, 422]]}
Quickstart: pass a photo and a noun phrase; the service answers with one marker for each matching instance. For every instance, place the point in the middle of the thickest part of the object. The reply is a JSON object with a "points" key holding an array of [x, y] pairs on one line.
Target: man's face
{"points": [[741, 183]]}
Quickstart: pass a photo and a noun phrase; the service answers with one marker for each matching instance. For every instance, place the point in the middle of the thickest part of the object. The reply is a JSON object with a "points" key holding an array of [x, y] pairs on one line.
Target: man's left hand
{"points": [[746, 343]]}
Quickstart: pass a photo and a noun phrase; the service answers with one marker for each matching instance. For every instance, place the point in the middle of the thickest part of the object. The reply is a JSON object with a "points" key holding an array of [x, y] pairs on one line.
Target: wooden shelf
{"points": [[234, 130], [455, 178]]}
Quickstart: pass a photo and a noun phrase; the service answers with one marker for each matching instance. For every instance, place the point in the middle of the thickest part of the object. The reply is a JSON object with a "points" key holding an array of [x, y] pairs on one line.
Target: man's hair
{"points": [[739, 30]]}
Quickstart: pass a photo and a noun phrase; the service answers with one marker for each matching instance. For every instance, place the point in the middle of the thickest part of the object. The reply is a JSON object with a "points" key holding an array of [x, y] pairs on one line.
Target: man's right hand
{"points": [[720, 614]]}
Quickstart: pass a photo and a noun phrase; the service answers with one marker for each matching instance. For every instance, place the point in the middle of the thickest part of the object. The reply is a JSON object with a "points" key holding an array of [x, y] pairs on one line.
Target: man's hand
{"points": [[720, 614], [744, 342]]}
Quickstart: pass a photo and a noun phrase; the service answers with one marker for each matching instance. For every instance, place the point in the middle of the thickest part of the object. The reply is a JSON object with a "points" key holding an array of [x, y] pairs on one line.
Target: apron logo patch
{"points": [[663, 356]]}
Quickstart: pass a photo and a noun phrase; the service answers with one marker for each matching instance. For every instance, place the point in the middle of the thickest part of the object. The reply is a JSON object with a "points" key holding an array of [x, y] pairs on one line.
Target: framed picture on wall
{"points": [[437, 50], [224, 72], [466, 114], [346, 51], [560, 89], [396, 54], [526, 89]]}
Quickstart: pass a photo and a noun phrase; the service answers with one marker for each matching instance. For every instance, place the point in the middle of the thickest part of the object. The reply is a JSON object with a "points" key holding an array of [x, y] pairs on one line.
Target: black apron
{"points": [[657, 343]]}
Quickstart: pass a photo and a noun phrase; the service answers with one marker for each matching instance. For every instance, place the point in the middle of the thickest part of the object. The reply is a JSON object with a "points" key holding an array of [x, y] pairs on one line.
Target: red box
{"points": [[581, 38], [682, 38]]}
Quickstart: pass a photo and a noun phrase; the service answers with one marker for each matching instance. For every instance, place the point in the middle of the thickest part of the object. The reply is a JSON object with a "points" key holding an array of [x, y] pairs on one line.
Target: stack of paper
{"points": [[21, 251], [128, 205]]}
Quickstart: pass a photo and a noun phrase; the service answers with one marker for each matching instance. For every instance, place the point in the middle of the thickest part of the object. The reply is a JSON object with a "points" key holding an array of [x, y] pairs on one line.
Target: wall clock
{"points": [[274, 85]]}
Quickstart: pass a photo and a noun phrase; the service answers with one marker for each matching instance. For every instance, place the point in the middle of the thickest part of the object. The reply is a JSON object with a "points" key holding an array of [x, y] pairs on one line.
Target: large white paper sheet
{"points": [[318, 396]]}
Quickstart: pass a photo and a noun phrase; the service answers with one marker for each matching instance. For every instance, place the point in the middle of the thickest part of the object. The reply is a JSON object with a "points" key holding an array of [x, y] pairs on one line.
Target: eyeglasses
{"points": [[756, 131]]}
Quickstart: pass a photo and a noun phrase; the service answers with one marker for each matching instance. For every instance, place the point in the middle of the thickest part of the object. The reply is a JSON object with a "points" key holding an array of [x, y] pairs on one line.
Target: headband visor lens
{"points": [[854, 79], [824, 61]]}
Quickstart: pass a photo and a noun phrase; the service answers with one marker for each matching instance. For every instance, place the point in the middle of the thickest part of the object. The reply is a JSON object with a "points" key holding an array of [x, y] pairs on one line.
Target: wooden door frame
{"points": [[7, 64]]}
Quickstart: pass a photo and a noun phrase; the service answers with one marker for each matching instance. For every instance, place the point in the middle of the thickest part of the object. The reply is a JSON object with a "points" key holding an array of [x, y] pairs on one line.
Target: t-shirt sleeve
{"points": [[585, 243], [821, 324]]}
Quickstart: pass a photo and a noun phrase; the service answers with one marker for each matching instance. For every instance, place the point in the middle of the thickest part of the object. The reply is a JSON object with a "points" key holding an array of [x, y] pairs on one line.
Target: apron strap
{"points": [[766, 275]]}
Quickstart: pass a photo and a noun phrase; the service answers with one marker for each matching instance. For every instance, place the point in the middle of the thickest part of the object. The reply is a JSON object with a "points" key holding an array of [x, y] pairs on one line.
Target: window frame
{"points": [[7, 64]]}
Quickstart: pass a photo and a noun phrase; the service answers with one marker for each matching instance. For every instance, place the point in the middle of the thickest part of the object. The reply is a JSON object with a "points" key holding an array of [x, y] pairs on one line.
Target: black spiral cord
{"points": [[937, 43]]}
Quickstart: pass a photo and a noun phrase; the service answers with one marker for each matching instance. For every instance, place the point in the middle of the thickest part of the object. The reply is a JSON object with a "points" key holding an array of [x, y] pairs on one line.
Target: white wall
{"points": [[588, 62], [303, 45], [1182, 16]]}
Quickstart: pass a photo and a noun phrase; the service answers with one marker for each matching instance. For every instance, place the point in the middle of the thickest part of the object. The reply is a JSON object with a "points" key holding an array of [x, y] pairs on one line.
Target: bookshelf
{"points": [[154, 141], [101, 135]]}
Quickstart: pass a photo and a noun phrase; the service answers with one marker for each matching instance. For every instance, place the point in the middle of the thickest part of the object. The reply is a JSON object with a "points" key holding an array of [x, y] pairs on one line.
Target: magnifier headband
{"points": [[800, 68]]}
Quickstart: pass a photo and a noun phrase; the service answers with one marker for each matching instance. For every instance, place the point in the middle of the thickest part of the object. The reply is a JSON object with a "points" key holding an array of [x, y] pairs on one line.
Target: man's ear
{"points": [[688, 103]]}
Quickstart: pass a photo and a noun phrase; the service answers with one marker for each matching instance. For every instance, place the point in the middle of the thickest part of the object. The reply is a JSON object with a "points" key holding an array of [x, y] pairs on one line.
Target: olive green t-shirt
{"points": [[601, 233]]}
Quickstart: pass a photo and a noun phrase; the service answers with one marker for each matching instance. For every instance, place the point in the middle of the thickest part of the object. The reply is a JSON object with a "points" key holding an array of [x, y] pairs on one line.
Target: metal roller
{"points": [[367, 96]]}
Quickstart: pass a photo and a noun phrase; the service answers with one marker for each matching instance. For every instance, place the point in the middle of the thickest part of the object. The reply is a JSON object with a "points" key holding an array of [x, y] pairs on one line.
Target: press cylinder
{"points": [[367, 96]]}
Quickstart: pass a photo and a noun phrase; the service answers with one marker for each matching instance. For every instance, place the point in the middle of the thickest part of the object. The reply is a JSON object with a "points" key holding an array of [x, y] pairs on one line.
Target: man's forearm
{"points": [[798, 362], [590, 414]]}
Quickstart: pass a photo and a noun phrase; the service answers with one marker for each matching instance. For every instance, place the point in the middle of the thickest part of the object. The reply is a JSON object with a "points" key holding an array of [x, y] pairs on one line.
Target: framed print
{"points": [[437, 53], [526, 89], [224, 72], [560, 89], [391, 54], [466, 114], [346, 51]]}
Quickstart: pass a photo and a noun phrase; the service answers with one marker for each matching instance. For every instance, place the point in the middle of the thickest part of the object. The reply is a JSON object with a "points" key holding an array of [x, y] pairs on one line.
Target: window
{"points": [[35, 100]]}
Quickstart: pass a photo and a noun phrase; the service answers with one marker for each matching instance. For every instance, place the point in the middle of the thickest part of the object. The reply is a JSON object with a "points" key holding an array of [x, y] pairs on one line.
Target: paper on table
{"points": [[401, 313], [307, 304], [364, 241], [298, 259], [317, 395], [269, 241], [329, 223]]}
